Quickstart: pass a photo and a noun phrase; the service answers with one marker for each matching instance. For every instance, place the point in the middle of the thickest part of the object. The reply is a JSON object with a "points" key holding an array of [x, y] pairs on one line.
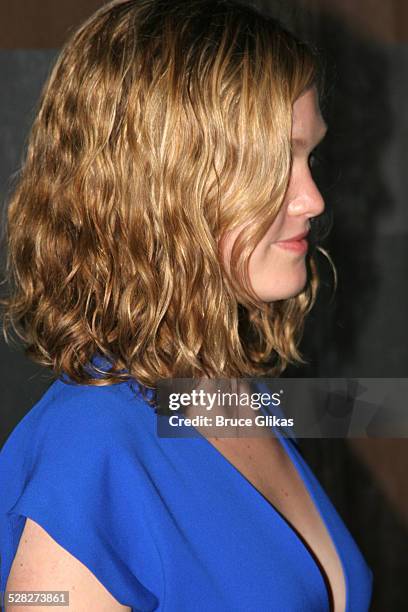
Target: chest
{"points": [[234, 527], [265, 464]]}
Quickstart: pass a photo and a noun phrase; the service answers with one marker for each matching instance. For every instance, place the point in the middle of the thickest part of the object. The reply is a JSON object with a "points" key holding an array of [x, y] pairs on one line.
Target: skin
{"points": [[42, 564], [276, 273]]}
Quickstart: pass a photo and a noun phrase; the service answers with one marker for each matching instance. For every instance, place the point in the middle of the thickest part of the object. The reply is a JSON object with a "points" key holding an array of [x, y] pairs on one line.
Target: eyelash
{"points": [[314, 159]]}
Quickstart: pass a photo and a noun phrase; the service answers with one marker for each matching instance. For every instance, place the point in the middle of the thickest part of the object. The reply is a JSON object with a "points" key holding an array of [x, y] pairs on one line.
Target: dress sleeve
{"points": [[70, 469]]}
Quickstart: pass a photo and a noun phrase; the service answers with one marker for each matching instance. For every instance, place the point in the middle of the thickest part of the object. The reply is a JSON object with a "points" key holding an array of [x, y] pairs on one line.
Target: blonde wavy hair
{"points": [[163, 124]]}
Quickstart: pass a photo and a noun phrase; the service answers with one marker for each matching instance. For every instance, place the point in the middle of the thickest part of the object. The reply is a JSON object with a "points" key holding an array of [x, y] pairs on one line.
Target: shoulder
{"points": [[70, 414], [67, 465], [86, 437]]}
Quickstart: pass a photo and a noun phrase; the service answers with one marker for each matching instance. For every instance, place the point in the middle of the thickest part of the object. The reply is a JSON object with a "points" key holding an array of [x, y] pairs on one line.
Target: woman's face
{"points": [[277, 267]]}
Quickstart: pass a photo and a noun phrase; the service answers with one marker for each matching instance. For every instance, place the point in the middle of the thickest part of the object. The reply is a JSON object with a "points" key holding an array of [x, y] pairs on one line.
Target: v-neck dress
{"points": [[165, 524]]}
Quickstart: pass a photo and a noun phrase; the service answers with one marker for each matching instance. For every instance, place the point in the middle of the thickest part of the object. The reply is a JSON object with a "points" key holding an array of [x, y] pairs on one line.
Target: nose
{"points": [[307, 200]]}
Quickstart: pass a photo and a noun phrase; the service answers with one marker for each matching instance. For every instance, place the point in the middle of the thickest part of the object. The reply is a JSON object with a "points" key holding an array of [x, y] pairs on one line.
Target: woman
{"points": [[157, 231]]}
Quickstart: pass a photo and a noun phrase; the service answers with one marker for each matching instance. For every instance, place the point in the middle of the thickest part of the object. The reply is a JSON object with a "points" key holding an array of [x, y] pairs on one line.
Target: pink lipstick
{"points": [[295, 243]]}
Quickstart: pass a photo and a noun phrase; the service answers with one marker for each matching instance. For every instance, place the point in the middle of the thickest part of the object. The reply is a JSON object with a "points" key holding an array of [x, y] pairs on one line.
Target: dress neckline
{"points": [[296, 459], [261, 499]]}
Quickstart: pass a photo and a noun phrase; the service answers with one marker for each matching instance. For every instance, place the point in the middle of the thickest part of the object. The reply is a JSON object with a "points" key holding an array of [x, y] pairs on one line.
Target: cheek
{"points": [[261, 250], [275, 230], [262, 257], [265, 245], [225, 246]]}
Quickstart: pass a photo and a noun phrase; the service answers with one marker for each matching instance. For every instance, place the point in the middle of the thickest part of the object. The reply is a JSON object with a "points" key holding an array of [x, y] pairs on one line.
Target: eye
{"points": [[315, 159]]}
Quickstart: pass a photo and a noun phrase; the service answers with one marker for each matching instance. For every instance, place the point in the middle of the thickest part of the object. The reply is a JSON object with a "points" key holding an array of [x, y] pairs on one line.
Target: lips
{"points": [[296, 238], [297, 244]]}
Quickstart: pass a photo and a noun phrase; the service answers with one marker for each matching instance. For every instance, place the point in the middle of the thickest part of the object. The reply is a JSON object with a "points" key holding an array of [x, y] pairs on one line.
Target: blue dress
{"points": [[165, 524]]}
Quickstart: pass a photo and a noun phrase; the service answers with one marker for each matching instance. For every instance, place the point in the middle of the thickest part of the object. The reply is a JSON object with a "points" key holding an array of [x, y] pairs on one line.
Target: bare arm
{"points": [[42, 564]]}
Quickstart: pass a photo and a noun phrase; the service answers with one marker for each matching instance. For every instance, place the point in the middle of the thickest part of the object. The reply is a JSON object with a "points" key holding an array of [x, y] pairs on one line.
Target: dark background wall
{"points": [[363, 332]]}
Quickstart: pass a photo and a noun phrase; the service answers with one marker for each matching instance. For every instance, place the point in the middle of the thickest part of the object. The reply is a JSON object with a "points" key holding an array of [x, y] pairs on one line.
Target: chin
{"points": [[284, 294]]}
